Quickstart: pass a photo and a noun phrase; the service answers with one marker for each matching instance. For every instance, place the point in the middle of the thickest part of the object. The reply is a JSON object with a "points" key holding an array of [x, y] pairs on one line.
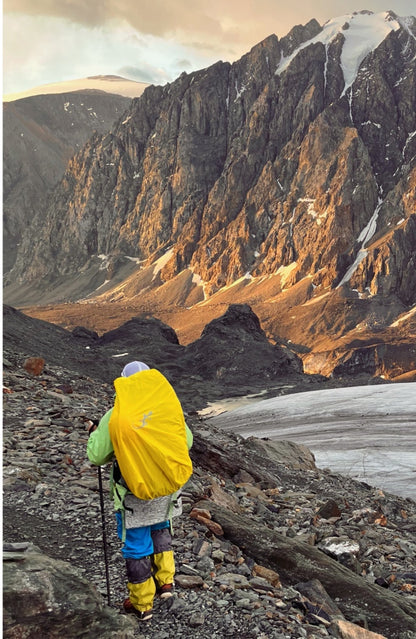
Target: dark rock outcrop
{"points": [[233, 356], [44, 597], [234, 349]]}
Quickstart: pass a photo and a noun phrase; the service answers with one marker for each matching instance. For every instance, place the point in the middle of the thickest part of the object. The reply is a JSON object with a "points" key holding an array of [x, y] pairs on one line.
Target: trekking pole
{"points": [[107, 577]]}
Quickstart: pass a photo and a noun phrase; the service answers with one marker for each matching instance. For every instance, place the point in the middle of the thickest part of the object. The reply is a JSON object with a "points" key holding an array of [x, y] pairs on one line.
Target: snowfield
{"points": [[366, 432]]}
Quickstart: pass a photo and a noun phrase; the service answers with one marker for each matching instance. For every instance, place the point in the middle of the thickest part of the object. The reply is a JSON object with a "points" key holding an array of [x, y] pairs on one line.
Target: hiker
{"points": [[147, 406]]}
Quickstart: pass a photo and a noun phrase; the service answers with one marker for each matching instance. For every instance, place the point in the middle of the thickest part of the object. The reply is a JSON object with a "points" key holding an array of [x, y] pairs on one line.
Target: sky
{"points": [[154, 41]]}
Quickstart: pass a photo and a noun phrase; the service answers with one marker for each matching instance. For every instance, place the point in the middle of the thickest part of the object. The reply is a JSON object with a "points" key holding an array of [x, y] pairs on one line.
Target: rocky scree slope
{"points": [[268, 545]]}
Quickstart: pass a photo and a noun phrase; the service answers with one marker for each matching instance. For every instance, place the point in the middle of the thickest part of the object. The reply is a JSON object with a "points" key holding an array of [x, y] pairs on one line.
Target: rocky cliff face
{"points": [[296, 163], [41, 134]]}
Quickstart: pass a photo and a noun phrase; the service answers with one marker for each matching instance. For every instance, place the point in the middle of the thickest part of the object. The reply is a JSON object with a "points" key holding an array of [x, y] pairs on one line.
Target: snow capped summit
{"points": [[363, 32]]}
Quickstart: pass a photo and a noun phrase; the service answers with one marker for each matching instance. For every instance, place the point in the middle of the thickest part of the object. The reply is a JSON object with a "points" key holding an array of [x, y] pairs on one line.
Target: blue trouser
{"points": [[139, 541], [149, 561]]}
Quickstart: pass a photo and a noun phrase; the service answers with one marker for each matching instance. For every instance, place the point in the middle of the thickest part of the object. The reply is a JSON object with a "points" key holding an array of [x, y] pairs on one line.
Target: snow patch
{"points": [[404, 317], [365, 33], [372, 123], [348, 275], [285, 271], [368, 232], [311, 211], [239, 92], [364, 237], [197, 279], [101, 285], [161, 262], [134, 259], [104, 262], [314, 300], [409, 139]]}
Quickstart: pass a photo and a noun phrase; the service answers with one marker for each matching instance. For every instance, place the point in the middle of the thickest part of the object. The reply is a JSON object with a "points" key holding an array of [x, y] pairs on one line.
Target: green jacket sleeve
{"points": [[99, 448], [189, 437]]}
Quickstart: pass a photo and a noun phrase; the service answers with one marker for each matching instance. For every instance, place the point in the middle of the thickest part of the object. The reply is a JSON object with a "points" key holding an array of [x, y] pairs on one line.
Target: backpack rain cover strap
{"points": [[147, 430]]}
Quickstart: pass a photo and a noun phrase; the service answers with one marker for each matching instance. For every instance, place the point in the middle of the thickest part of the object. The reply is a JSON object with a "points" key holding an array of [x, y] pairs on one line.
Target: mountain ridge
{"points": [[108, 83], [232, 173], [40, 135]]}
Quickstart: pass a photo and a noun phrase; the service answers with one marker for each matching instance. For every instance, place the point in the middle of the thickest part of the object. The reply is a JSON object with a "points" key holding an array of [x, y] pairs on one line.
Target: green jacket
{"points": [[100, 451]]}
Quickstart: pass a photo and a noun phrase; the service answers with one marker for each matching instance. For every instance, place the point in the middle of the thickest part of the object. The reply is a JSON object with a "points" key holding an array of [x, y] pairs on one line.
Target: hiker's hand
{"points": [[92, 425]]}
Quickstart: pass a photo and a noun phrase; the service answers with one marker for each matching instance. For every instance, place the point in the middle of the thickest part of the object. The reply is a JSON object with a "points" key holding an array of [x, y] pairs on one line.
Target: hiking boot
{"points": [[165, 591], [140, 614], [144, 615]]}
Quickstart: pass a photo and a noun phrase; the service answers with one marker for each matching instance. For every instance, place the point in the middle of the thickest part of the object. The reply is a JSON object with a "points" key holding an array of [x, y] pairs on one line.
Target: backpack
{"points": [[148, 433]]}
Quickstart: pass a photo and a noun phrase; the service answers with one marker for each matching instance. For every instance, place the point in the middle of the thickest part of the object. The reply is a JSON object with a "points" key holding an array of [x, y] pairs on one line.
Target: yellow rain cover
{"points": [[147, 430]]}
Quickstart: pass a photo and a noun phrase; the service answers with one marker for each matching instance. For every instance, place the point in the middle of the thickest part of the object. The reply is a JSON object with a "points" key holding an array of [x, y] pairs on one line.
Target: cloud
{"points": [[47, 40], [144, 73], [32, 56], [230, 27], [214, 25]]}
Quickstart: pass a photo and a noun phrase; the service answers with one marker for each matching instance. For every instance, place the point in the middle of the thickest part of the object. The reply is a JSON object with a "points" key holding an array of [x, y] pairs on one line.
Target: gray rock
{"points": [[46, 597]]}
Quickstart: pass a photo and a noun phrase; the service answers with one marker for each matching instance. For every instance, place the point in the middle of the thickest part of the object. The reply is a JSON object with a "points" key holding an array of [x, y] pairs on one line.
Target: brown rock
{"points": [[215, 528], [329, 509], [220, 497], [34, 365], [269, 575], [200, 512], [252, 491], [346, 630]]}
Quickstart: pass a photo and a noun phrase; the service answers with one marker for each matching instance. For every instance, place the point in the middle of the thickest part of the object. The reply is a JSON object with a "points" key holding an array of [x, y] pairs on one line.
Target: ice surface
{"points": [[367, 432]]}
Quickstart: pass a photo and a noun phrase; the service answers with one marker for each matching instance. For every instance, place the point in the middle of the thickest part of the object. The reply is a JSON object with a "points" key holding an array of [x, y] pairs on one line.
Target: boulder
{"points": [[44, 597], [345, 630], [34, 365], [264, 460]]}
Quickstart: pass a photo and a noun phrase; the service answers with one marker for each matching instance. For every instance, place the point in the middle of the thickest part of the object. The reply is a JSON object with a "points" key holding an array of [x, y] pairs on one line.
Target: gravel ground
{"points": [[51, 498]]}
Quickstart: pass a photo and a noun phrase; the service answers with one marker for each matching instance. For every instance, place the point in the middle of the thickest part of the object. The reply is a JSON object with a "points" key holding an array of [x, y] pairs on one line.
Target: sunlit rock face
{"points": [[296, 160]]}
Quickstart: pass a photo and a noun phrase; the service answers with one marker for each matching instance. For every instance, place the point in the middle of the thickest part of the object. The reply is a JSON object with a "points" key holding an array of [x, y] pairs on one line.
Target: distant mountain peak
{"points": [[111, 78], [109, 83]]}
